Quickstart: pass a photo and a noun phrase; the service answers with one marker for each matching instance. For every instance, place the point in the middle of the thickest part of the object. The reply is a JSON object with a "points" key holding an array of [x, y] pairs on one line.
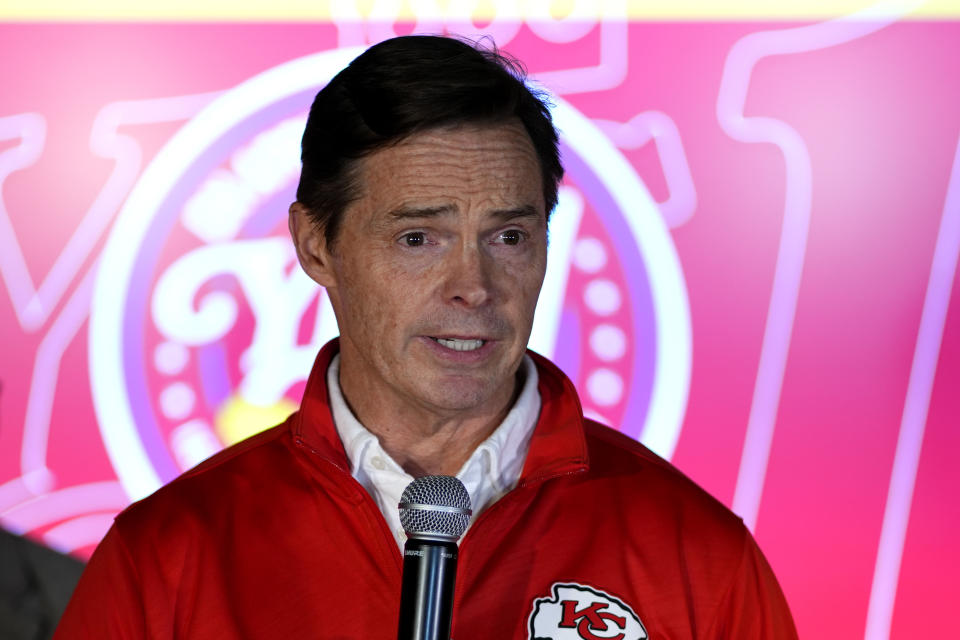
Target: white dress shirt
{"points": [[492, 469]]}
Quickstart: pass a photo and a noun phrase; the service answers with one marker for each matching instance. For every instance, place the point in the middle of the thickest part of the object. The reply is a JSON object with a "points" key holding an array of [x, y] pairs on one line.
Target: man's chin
{"points": [[465, 394]]}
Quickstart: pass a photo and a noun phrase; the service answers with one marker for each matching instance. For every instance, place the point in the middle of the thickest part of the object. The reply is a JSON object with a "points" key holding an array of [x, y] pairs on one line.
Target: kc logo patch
{"points": [[578, 612]]}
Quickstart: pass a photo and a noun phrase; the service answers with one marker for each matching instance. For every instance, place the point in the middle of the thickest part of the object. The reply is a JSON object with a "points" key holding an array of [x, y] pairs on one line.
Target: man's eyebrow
{"points": [[505, 215], [401, 213], [526, 211]]}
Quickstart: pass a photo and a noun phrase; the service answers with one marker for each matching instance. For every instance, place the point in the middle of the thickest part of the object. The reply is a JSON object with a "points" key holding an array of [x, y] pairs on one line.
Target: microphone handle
{"points": [[426, 596]]}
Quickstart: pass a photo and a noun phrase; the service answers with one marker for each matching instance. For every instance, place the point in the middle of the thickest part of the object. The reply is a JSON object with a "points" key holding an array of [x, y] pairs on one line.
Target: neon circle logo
{"points": [[203, 327]]}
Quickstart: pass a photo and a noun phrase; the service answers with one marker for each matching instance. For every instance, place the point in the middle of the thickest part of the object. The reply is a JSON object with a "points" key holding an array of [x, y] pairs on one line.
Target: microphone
{"points": [[434, 511]]}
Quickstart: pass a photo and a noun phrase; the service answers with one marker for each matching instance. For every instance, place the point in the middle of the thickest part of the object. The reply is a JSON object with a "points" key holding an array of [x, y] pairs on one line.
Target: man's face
{"points": [[436, 270]]}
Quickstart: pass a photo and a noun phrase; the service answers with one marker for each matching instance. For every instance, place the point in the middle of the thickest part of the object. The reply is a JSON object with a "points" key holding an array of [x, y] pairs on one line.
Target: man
{"points": [[429, 171]]}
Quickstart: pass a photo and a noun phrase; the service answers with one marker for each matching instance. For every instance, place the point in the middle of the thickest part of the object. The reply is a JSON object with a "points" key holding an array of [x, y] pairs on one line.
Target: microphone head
{"points": [[435, 508]]}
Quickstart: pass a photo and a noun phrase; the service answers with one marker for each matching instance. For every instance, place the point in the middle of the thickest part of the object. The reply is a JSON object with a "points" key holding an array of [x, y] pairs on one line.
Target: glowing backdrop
{"points": [[752, 264]]}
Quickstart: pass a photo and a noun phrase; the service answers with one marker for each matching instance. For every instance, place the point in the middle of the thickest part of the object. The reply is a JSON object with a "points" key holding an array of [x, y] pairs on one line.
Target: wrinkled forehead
{"points": [[491, 165]]}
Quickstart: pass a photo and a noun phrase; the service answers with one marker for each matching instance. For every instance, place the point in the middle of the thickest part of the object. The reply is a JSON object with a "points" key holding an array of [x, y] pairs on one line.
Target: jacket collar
{"points": [[313, 426], [558, 445]]}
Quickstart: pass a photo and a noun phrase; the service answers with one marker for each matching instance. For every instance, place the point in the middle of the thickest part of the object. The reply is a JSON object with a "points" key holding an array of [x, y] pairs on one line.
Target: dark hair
{"points": [[403, 86]]}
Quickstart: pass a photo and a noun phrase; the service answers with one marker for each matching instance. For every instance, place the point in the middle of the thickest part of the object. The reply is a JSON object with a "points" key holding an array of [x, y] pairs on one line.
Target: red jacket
{"points": [[273, 538]]}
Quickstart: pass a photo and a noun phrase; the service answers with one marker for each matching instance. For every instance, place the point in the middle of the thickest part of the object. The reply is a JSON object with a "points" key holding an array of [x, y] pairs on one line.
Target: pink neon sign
{"points": [[753, 271]]}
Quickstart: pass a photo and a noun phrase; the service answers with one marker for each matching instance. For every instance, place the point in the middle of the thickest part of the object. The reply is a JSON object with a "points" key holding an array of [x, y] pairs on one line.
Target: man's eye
{"points": [[414, 239], [511, 236]]}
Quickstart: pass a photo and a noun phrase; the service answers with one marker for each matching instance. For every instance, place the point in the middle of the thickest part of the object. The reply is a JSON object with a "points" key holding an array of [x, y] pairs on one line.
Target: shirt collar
{"points": [[557, 446], [492, 469]]}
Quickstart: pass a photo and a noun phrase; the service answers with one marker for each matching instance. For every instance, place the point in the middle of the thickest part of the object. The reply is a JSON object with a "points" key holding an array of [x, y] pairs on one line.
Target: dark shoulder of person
{"points": [[35, 585]]}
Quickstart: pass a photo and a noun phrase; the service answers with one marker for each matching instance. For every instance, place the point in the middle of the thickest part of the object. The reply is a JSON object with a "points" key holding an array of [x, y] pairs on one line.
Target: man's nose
{"points": [[468, 276]]}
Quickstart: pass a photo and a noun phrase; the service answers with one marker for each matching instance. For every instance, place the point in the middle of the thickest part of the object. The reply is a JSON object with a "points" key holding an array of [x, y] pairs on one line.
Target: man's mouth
{"points": [[460, 345]]}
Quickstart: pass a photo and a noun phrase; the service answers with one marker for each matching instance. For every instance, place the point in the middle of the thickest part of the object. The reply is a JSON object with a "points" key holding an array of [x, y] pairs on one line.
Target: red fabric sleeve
{"points": [[107, 603], [754, 607]]}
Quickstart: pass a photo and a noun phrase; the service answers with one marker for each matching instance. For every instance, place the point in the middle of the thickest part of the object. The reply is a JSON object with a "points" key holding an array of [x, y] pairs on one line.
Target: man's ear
{"points": [[311, 245]]}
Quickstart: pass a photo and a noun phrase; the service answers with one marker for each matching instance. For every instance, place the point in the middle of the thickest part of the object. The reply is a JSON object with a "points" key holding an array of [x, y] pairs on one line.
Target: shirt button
{"points": [[378, 463]]}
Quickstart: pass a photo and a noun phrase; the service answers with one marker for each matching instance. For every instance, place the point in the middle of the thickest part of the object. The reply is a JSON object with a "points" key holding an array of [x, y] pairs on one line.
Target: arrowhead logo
{"points": [[579, 612]]}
